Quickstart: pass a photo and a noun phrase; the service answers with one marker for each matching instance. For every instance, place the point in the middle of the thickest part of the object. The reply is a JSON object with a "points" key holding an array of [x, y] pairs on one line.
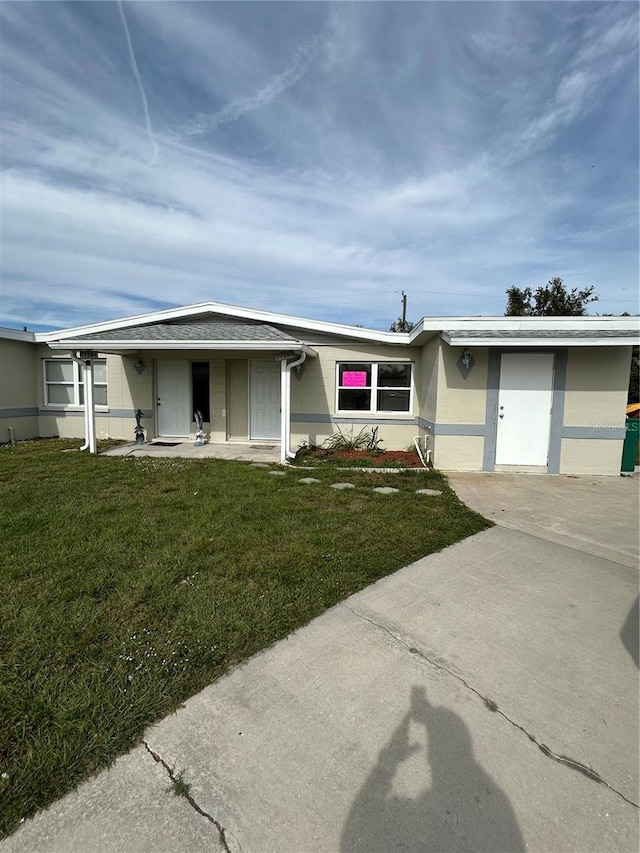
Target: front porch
{"points": [[185, 448]]}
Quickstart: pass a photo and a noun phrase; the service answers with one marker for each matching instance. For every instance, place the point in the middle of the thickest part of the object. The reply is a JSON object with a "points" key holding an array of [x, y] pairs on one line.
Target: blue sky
{"points": [[315, 158]]}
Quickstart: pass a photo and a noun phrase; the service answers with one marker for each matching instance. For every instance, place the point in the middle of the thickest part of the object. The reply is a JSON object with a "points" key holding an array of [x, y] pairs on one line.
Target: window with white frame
{"points": [[64, 386], [374, 387]]}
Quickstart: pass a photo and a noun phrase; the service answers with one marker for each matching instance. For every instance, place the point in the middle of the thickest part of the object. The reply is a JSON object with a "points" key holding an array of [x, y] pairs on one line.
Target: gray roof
{"points": [[520, 334], [207, 330]]}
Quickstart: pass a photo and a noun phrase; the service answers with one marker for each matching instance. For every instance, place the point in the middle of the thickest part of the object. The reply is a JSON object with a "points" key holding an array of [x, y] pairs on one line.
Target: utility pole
{"points": [[404, 310]]}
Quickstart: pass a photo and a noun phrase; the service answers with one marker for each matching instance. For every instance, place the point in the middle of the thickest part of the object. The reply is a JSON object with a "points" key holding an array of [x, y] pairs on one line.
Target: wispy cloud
{"points": [[275, 86], [138, 78]]}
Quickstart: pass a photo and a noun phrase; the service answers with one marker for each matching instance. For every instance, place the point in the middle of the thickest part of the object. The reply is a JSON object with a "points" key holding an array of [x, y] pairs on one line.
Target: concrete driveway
{"points": [[481, 699]]}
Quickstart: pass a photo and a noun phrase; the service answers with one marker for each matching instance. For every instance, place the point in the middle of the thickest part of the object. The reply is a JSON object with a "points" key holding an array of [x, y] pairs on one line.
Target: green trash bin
{"points": [[630, 446]]}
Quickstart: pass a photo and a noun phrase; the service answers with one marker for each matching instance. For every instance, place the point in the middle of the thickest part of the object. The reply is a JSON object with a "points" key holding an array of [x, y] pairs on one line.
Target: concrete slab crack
{"points": [[589, 772], [222, 832]]}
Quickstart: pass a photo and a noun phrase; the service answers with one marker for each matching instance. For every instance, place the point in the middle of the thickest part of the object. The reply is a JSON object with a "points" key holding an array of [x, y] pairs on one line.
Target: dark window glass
{"points": [[354, 400], [393, 401], [200, 377], [394, 376]]}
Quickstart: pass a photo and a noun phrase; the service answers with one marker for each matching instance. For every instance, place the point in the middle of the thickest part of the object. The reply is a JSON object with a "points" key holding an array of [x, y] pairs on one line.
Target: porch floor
{"points": [[185, 448]]}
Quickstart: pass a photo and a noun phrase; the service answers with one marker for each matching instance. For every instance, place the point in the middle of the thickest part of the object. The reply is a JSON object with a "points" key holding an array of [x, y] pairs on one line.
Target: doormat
{"points": [[262, 447], [165, 443]]}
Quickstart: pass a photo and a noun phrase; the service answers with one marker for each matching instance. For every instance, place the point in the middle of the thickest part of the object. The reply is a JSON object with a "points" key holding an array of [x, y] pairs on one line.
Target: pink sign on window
{"points": [[354, 379]]}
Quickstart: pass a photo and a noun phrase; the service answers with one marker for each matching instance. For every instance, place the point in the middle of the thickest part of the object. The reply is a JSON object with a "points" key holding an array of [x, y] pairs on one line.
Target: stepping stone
{"points": [[259, 465], [386, 490], [277, 473], [341, 486], [428, 492], [308, 480]]}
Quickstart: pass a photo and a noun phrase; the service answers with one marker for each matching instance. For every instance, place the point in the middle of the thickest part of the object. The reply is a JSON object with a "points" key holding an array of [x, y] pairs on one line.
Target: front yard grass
{"points": [[128, 584]]}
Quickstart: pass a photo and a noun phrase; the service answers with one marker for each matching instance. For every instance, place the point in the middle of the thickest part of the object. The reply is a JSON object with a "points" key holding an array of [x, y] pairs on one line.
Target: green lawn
{"points": [[129, 584]]}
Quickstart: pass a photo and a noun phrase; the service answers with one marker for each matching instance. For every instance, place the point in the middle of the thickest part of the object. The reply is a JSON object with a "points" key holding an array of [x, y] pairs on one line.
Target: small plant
{"points": [[179, 787], [306, 449], [366, 439]]}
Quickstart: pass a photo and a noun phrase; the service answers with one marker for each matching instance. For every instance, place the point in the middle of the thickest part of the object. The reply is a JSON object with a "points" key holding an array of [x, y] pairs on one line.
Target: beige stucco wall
{"points": [[588, 456], [18, 390], [428, 379], [597, 386], [18, 386], [393, 436], [461, 401], [237, 410], [129, 390], [458, 452]]}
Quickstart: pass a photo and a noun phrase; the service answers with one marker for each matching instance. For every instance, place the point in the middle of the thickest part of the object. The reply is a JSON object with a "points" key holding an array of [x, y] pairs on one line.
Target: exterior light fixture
{"points": [[465, 363]]}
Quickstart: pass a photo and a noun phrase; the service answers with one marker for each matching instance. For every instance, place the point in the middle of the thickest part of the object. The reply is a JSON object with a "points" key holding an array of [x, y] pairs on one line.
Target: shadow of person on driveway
{"points": [[463, 809], [629, 633]]}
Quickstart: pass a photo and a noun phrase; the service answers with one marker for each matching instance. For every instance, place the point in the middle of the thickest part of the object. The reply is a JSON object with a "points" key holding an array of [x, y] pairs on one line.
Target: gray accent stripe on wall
{"points": [[594, 432], [23, 412], [79, 413], [557, 410], [491, 411], [436, 429], [425, 423]]}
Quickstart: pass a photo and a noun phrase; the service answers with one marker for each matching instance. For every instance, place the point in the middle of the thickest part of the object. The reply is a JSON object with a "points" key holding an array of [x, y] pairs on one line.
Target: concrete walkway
{"points": [[481, 699], [186, 449]]}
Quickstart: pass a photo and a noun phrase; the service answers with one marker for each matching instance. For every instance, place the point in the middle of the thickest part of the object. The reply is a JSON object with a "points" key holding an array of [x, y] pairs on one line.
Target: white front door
{"points": [[524, 408], [173, 381], [264, 400]]}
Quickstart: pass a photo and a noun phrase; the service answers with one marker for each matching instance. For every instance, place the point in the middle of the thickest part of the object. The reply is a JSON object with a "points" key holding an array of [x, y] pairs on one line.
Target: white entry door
{"points": [[264, 400], [173, 381], [524, 409]]}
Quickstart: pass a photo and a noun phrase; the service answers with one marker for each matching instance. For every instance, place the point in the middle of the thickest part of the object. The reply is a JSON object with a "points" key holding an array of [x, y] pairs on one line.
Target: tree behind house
{"points": [[554, 300], [401, 325]]}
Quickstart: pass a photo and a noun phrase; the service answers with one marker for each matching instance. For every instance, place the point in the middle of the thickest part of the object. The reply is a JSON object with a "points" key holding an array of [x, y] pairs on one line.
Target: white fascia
{"points": [[134, 346], [558, 341], [522, 324], [16, 335], [230, 311]]}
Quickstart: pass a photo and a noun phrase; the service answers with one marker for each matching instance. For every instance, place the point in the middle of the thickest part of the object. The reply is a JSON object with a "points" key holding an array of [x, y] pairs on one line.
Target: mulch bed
{"points": [[360, 458]]}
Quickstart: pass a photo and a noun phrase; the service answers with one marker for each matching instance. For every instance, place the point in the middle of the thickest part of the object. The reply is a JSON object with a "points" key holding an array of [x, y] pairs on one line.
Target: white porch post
{"points": [[87, 443], [285, 378], [90, 412]]}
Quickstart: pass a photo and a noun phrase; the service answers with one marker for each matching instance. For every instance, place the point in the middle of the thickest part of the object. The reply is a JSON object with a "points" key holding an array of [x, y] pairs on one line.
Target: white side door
{"points": [[173, 381], [524, 408], [264, 400]]}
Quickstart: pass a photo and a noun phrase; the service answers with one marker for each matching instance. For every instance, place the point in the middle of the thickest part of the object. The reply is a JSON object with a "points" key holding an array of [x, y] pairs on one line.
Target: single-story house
{"points": [[544, 394]]}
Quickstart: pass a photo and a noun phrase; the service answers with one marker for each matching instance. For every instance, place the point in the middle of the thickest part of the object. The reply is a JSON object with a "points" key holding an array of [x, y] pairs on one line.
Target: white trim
{"points": [[520, 324], [559, 341], [16, 335], [134, 346], [230, 311], [76, 382]]}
